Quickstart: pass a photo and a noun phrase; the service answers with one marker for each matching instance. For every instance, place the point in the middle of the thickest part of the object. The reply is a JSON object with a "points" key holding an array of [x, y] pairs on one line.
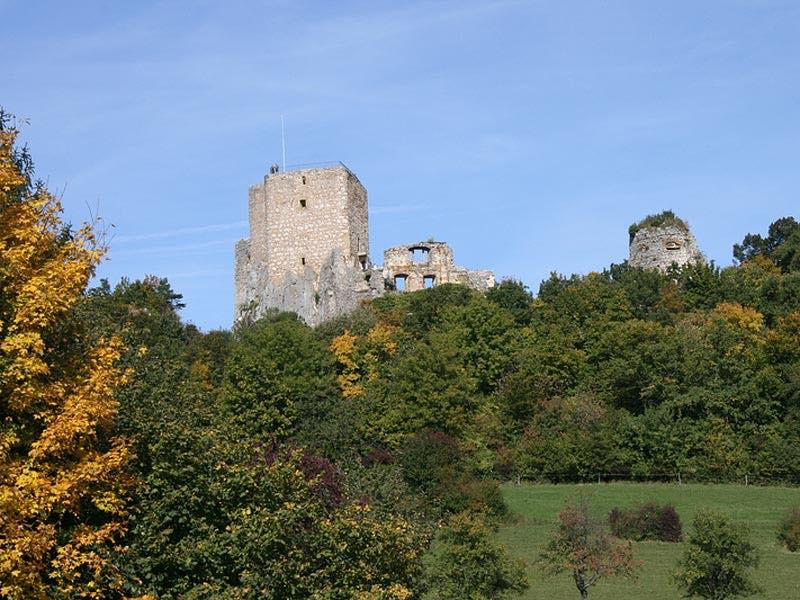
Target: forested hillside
{"points": [[367, 432], [280, 461]]}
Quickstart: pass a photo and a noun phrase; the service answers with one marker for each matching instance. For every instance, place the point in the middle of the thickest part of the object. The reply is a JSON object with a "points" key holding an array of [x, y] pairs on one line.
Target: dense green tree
{"points": [[420, 311], [580, 306], [515, 297], [467, 564], [781, 246], [646, 290], [569, 439], [635, 364], [277, 374], [718, 560], [488, 337], [217, 521], [429, 386], [546, 367], [435, 466]]}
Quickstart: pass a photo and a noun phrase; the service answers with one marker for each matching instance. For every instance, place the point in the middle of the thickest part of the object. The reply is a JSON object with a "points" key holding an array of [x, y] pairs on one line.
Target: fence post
{"points": [[746, 482], [679, 479]]}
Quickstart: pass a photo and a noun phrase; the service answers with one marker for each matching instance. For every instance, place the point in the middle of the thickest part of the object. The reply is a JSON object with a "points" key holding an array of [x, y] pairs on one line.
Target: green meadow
{"points": [[535, 508]]}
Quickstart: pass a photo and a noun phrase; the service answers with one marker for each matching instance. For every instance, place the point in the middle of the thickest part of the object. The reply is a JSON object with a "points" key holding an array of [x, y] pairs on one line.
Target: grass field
{"points": [[535, 508]]}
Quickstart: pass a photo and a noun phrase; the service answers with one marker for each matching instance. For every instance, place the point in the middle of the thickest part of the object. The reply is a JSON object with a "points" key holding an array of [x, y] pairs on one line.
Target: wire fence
{"points": [[678, 478]]}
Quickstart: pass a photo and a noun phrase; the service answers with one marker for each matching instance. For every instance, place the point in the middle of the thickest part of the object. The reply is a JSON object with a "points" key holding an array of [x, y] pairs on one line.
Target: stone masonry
{"points": [[658, 247], [426, 264], [308, 250]]}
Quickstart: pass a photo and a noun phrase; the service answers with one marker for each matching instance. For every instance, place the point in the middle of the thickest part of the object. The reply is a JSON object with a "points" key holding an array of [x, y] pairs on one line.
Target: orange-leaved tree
{"points": [[582, 547], [63, 485]]}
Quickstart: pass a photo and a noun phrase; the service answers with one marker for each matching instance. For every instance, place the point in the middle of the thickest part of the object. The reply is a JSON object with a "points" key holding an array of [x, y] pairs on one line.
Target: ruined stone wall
{"points": [[243, 271], [433, 265], [257, 214], [660, 247]]}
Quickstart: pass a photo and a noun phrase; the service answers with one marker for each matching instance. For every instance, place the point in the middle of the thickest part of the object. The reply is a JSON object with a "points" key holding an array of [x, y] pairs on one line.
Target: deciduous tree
{"points": [[467, 563], [718, 560], [581, 547], [62, 481]]}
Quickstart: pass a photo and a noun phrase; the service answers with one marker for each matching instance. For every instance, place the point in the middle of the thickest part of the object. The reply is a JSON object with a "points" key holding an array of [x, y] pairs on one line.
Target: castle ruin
{"points": [[425, 264], [308, 250], [659, 241]]}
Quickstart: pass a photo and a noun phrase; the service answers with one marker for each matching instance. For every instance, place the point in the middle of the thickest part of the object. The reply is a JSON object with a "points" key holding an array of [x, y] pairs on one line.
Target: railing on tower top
{"points": [[276, 170]]}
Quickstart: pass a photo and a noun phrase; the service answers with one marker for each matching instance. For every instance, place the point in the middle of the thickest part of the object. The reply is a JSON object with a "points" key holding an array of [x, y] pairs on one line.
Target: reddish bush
{"points": [[426, 456], [789, 529], [327, 481], [377, 456], [649, 521]]}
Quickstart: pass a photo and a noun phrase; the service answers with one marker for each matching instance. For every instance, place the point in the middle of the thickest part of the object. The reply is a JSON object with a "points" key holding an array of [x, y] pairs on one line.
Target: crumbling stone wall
{"points": [[660, 247], [427, 264]]}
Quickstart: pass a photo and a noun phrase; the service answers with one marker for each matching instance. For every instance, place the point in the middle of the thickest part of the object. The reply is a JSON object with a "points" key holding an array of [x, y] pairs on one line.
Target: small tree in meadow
{"points": [[582, 547], [718, 560], [468, 564]]}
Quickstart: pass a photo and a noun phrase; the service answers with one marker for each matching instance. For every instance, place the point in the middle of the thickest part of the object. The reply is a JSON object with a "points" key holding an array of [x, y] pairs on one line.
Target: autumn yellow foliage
{"points": [[359, 358], [63, 487]]}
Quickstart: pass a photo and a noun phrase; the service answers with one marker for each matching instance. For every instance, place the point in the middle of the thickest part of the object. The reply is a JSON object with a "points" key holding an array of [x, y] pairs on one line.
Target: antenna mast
{"points": [[283, 144]]}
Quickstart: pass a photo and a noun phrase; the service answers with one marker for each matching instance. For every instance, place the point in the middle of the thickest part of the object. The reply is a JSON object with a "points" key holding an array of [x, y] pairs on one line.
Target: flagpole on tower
{"points": [[283, 143]]}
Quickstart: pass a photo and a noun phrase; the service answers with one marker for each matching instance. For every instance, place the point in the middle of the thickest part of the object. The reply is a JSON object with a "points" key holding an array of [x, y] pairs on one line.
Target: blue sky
{"points": [[528, 135]]}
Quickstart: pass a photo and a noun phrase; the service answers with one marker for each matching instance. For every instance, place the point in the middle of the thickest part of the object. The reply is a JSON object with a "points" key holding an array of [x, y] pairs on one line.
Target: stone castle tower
{"points": [[659, 241], [308, 250]]}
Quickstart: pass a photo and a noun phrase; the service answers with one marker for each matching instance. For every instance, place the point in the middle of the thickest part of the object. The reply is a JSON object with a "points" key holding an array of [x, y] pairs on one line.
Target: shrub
{"points": [[504, 464], [718, 559], [473, 495], [426, 455], [649, 521], [662, 219], [377, 456], [466, 562], [789, 529], [325, 480], [434, 465]]}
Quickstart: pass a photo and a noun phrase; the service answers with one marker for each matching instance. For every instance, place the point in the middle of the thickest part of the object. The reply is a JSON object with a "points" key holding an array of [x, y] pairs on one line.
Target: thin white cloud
{"points": [[163, 250], [168, 233], [398, 208]]}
